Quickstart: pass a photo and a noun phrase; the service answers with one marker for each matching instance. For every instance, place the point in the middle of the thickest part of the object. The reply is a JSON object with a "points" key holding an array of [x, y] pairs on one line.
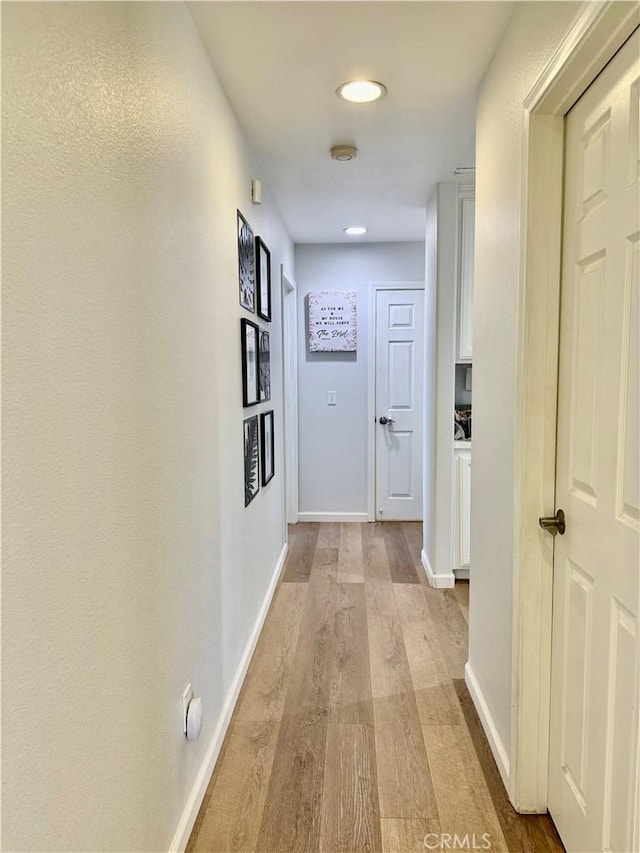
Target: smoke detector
{"points": [[344, 153]]}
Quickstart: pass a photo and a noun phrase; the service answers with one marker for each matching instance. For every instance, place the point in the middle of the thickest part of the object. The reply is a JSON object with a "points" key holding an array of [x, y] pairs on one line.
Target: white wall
{"points": [[130, 564], [442, 276], [429, 530], [534, 32], [446, 320], [333, 439]]}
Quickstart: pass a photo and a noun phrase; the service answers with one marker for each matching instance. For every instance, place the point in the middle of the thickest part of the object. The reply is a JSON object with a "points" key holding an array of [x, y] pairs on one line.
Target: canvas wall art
{"points": [[333, 321]]}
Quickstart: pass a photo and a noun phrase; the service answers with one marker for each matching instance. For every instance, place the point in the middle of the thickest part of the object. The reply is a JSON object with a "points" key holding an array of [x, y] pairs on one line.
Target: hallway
{"points": [[354, 730]]}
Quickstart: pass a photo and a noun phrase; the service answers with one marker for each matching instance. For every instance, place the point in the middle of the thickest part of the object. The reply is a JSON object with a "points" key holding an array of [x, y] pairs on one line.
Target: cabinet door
{"points": [[465, 285], [463, 548]]}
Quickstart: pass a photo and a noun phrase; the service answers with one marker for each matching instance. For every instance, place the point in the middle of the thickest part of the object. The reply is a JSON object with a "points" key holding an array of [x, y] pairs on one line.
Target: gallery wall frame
{"points": [[264, 366], [267, 446], [251, 459], [250, 342], [263, 279], [246, 265]]}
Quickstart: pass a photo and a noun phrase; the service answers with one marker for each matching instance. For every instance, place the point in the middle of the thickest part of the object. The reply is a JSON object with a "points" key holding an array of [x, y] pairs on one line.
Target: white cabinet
{"points": [[466, 233], [463, 511]]}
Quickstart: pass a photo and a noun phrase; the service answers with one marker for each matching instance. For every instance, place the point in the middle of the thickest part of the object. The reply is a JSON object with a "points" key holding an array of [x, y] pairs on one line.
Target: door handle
{"points": [[553, 524], [385, 420]]}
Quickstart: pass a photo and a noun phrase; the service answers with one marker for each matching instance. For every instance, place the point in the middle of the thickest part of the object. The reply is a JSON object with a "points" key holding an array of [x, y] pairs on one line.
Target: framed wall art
{"points": [[250, 340], [263, 279], [333, 321], [246, 265], [264, 362], [251, 460], [266, 446]]}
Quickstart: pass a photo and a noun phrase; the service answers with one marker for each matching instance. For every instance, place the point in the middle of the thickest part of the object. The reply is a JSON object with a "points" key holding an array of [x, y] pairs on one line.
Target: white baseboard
{"points": [[445, 581], [359, 517], [461, 574], [497, 747], [194, 801]]}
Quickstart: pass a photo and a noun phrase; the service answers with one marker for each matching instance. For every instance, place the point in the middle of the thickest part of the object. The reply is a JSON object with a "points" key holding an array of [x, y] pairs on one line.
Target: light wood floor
{"points": [[354, 730]]}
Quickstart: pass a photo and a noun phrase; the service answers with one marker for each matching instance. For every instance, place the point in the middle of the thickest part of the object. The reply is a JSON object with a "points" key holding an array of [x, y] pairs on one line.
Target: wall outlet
{"points": [[187, 696], [331, 398]]}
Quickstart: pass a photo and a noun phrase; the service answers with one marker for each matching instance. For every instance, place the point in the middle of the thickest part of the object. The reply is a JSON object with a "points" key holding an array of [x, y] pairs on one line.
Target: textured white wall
{"points": [[130, 564], [446, 321], [534, 32], [430, 366], [333, 439], [442, 273]]}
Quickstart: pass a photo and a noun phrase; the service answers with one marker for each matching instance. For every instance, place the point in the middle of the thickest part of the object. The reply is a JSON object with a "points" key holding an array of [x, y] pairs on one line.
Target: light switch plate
{"points": [[331, 398]]}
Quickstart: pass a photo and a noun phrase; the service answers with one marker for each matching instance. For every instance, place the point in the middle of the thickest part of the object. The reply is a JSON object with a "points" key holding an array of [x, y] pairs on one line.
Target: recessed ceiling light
{"points": [[361, 91], [355, 230]]}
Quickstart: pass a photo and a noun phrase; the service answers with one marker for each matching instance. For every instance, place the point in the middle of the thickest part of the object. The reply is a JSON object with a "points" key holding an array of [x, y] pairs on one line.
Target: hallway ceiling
{"points": [[280, 64]]}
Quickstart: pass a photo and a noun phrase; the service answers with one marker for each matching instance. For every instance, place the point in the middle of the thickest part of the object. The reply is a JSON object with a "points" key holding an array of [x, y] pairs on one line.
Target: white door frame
{"points": [[290, 392], [371, 389], [597, 34]]}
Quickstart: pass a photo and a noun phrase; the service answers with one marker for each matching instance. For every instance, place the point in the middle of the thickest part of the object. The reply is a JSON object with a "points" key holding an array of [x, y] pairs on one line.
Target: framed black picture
{"points": [[246, 265], [266, 446], [264, 362], [251, 454], [263, 279], [250, 341]]}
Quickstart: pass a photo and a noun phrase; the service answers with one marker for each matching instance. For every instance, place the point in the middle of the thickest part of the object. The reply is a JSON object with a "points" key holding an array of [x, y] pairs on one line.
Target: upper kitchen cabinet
{"points": [[466, 229]]}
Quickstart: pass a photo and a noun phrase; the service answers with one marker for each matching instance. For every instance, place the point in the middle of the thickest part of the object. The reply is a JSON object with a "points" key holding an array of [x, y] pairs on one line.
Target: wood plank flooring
{"points": [[354, 730]]}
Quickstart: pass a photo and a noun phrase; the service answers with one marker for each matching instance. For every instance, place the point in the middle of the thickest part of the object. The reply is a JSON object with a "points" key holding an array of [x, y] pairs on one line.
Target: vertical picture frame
{"points": [[263, 279], [246, 265], [250, 342], [267, 445], [251, 459], [264, 366]]}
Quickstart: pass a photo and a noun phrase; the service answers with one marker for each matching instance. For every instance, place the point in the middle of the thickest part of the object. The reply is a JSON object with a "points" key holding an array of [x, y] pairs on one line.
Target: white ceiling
{"points": [[280, 64]]}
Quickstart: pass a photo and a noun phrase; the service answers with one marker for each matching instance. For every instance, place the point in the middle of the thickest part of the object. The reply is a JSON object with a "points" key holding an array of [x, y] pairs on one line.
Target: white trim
{"points": [[194, 801], [598, 32], [358, 517], [290, 392], [371, 410], [398, 285], [371, 385], [497, 747], [635, 843], [437, 581]]}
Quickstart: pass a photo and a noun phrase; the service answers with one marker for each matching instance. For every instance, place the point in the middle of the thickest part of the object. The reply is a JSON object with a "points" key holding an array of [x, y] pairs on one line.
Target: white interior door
{"points": [[399, 404], [594, 700]]}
